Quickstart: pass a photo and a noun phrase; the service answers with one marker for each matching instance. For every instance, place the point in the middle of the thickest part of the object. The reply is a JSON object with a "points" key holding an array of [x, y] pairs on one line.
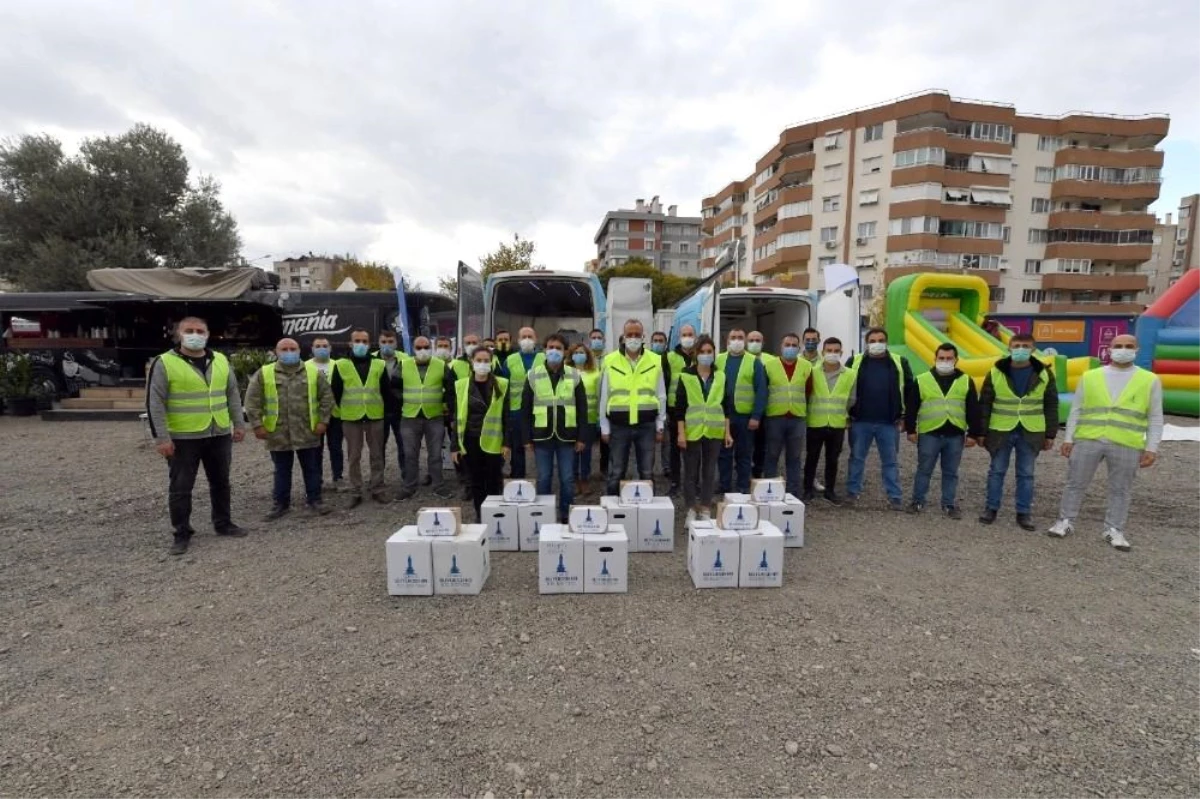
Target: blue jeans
{"points": [[310, 469], [887, 440], [623, 437], [785, 435], [739, 457], [1026, 456], [929, 449], [545, 453], [516, 444], [583, 460]]}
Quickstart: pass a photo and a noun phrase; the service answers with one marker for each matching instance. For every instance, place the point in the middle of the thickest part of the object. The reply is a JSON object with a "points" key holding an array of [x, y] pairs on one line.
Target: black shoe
{"points": [[896, 505], [319, 508], [1025, 522], [808, 496], [952, 512], [180, 544], [233, 531], [355, 501], [915, 507], [443, 491], [276, 512], [851, 501], [405, 493], [428, 481], [383, 499], [673, 491], [988, 516], [832, 498]]}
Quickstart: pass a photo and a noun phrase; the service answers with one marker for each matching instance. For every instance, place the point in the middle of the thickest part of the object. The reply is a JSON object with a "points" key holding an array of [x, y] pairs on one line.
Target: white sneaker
{"points": [[691, 517], [819, 486], [1117, 539], [1061, 528]]}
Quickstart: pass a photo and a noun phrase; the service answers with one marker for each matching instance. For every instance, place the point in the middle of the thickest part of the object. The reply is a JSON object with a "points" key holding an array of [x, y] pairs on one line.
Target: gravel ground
{"points": [[904, 656]]}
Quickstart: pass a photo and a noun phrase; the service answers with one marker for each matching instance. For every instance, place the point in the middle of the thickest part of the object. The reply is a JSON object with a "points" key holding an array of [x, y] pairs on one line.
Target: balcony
{"points": [[1100, 307], [793, 224], [791, 280], [1072, 282], [1122, 159], [912, 241], [1099, 220], [949, 141], [795, 194], [1099, 190], [789, 258], [767, 211], [990, 276], [964, 211], [954, 178], [1119, 253]]}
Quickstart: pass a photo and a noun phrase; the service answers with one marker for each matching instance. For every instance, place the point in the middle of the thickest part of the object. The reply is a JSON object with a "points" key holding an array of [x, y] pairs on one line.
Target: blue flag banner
{"points": [[402, 315]]}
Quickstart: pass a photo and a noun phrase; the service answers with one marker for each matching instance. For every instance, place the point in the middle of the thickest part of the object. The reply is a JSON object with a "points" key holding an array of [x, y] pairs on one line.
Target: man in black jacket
{"points": [[884, 379]]}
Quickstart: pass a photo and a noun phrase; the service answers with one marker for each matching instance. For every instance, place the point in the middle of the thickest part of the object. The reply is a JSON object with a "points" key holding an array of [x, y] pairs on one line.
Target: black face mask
{"points": [[810, 346]]}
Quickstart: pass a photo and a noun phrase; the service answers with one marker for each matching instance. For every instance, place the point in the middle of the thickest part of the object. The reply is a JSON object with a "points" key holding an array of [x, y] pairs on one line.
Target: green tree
{"points": [[448, 286], [665, 289], [508, 257], [123, 201], [367, 275]]}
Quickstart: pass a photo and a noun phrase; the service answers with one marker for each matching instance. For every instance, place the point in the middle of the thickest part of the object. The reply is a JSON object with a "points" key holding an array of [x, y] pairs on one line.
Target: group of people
{"points": [[722, 418]]}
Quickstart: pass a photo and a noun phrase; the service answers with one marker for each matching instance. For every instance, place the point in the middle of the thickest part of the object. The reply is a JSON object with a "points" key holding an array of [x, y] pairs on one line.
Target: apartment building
{"points": [[306, 273], [667, 240], [1051, 211], [1174, 250]]}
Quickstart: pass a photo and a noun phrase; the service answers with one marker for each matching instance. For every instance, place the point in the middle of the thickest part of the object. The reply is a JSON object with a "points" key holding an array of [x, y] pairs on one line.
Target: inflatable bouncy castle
{"points": [[1169, 344]]}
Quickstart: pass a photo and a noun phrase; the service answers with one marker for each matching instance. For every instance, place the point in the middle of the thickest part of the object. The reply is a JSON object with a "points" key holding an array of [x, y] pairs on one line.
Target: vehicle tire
{"points": [[48, 382]]}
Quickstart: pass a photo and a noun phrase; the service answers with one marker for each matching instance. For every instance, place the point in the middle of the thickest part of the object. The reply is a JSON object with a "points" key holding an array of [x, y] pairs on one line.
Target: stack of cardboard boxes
{"points": [[438, 555], [514, 519], [648, 520], [588, 555], [743, 546]]}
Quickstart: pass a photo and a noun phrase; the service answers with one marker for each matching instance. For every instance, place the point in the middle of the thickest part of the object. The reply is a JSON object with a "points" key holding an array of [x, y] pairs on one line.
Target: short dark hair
{"points": [[812, 330], [360, 330], [874, 330], [595, 330], [387, 334], [946, 346], [503, 332], [705, 339], [1023, 338], [658, 333], [555, 337], [831, 340], [786, 336], [440, 339]]}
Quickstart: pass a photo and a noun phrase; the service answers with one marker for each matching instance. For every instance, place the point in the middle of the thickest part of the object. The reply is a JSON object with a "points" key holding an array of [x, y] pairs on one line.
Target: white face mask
{"points": [[877, 347], [470, 349], [755, 347], [687, 342], [527, 345], [443, 353], [736, 346], [944, 367], [833, 357], [194, 341], [633, 345], [1123, 356], [422, 356], [482, 367]]}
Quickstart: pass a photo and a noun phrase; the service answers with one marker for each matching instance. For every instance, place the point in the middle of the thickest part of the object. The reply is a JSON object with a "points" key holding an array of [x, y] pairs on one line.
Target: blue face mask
{"points": [[386, 350], [790, 353], [705, 359], [320, 352], [1022, 355], [290, 358], [597, 344], [554, 357], [810, 346], [580, 358], [658, 347], [360, 350]]}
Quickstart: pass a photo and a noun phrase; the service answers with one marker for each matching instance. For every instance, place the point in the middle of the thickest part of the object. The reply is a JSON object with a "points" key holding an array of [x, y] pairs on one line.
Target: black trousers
{"points": [[485, 472], [676, 461], [829, 439], [760, 450], [215, 454]]}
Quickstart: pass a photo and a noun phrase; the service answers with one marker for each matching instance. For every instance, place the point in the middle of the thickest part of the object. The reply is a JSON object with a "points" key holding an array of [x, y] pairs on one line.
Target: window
{"points": [[620, 225], [1033, 295], [913, 224], [866, 292], [797, 238], [829, 233], [826, 260], [650, 226], [912, 257], [1093, 236], [618, 244], [803, 208], [666, 246], [868, 197], [974, 230], [683, 246], [873, 165], [1033, 266], [1075, 266], [833, 203], [991, 131], [766, 199], [998, 294], [1043, 174], [1050, 143], [957, 196], [648, 244], [991, 197], [971, 261], [833, 140], [990, 164], [1040, 205], [916, 191], [873, 132], [833, 172], [764, 176], [866, 230], [1038, 236], [1108, 174], [667, 266], [921, 155]]}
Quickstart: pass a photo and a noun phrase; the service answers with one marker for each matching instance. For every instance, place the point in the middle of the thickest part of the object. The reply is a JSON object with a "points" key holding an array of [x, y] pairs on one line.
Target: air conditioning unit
{"points": [[831, 245], [1003, 264], [862, 242]]}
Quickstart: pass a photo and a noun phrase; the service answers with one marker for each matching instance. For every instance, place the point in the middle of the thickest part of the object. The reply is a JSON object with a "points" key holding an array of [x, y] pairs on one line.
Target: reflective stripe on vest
{"points": [[1009, 410], [358, 400], [491, 436], [270, 391], [633, 388], [423, 395], [677, 363], [786, 395], [548, 400], [704, 418], [937, 408], [193, 405], [743, 387], [335, 414], [516, 377], [1126, 421], [830, 408], [591, 387]]}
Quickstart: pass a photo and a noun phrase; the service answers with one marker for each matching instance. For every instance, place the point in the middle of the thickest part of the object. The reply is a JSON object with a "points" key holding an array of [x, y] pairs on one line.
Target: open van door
{"points": [[627, 298], [470, 303], [838, 312]]}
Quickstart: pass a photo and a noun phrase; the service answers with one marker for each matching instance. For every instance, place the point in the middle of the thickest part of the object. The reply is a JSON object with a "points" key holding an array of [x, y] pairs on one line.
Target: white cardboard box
{"points": [[737, 516], [745, 499], [587, 519], [767, 489], [655, 531], [438, 521], [409, 563], [635, 492], [461, 564], [762, 557], [713, 555], [606, 561], [560, 561], [624, 515], [531, 517], [519, 491], [503, 524], [788, 516]]}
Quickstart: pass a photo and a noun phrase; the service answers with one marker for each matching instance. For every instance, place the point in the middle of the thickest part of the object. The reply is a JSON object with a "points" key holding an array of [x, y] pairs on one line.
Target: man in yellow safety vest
{"points": [[360, 388], [633, 406], [426, 389]]}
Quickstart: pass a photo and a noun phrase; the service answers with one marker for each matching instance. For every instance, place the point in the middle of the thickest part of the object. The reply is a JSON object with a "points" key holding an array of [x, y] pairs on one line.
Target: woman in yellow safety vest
{"points": [[703, 428], [480, 428], [585, 362]]}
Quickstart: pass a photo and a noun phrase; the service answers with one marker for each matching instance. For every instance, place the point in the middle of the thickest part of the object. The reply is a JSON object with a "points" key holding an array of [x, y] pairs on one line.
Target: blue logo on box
{"points": [[562, 567], [454, 563], [410, 571], [717, 564], [657, 527], [763, 564]]}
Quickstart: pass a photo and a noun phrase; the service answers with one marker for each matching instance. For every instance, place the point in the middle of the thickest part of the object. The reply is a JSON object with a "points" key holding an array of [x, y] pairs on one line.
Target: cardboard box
{"points": [[745, 499], [560, 561], [409, 563], [635, 492], [438, 521], [655, 530], [737, 516], [531, 517], [788, 516], [713, 555], [606, 561], [587, 519], [624, 515], [502, 523], [461, 564], [767, 489], [519, 491], [762, 557]]}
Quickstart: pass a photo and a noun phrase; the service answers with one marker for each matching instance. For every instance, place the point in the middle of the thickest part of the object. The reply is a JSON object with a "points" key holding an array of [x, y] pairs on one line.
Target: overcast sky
{"points": [[424, 133]]}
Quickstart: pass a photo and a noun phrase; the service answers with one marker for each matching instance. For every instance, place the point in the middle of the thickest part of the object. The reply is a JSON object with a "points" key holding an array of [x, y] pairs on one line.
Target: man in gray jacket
{"points": [[289, 404]]}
